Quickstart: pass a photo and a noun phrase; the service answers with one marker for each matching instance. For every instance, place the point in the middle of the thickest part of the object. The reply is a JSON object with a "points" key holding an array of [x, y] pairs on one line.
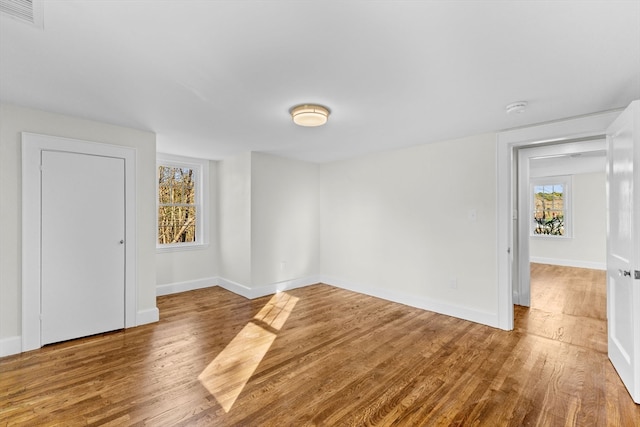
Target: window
{"points": [[182, 202], [550, 205]]}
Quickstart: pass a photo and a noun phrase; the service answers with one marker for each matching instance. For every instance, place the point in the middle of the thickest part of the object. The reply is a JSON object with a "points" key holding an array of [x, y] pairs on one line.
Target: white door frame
{"points": [[507, 142], [32, 147]]}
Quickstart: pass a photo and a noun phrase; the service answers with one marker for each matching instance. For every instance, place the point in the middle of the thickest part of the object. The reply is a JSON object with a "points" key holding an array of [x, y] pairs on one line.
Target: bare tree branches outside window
{"points": [[177, 208]]}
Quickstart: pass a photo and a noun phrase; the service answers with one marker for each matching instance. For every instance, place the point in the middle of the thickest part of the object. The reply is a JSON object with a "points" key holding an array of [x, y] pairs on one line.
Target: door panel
{"points": [[82, 264], [623, 292]]}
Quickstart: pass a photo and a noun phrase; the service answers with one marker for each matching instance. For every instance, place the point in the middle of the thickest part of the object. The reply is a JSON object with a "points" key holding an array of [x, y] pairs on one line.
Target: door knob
{"points": [[122, 242], [624, 273]]}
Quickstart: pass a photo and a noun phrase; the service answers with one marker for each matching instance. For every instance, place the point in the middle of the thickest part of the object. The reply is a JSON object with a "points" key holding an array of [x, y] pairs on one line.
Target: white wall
{"points": [[587, 247], [399, 225], [14, 120], [234, 218], [568, 165], [285, 240], [268, 219], [188, 269]]}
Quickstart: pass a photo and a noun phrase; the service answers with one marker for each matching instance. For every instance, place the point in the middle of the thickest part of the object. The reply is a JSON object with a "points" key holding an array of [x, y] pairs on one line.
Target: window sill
{"points": [[549, 236], [181, 247]]}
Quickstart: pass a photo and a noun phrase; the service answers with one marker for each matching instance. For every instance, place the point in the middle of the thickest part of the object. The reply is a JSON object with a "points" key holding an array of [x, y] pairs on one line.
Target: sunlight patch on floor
{"points": [[226, 376]]}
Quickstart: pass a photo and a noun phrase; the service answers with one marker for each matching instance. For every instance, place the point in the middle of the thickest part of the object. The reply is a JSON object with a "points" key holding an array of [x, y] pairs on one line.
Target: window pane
{"points": [[164, 194], [164, 188], [176, 185], [182, 175], [183, 194], [548, 210], [164, 173], [176, 224]]}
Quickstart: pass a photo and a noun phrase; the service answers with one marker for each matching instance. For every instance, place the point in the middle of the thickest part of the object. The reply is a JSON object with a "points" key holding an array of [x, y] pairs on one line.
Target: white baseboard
{"points": [[234, 287], [150, 315], [272, 288], [260, 291], [477, 316], [10, 345], [13, 345], [189, 285], [569, 263]]}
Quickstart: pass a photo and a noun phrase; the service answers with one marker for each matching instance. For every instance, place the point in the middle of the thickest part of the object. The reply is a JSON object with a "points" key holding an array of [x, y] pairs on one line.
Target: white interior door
{"points": [[623, 245], [83, 251]]}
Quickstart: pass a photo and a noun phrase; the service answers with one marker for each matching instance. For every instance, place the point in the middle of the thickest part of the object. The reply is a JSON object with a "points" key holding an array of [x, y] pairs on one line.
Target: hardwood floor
{"points": [[324, 356]]}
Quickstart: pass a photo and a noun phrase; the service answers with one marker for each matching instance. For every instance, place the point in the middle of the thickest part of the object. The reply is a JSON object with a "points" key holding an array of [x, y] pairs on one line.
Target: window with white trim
{"points": [[551, 203], [182, 202]]}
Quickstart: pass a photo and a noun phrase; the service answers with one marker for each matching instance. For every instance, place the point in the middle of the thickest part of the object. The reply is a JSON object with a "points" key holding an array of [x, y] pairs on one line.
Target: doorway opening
{"points": [[508, 246], [621, 129], [561, 205], [562, 236]]}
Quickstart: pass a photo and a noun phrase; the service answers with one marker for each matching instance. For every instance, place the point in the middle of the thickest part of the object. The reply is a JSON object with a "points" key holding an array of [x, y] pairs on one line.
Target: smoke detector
{"points": [[516, 107]]}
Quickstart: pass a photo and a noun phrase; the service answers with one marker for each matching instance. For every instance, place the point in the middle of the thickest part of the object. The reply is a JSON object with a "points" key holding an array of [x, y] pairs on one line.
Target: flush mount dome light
{"points": [[309, 115]]}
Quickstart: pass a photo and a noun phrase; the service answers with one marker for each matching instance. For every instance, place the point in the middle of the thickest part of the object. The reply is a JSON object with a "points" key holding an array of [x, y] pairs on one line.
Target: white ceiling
{"points": [[569, 164], [214, 78]]}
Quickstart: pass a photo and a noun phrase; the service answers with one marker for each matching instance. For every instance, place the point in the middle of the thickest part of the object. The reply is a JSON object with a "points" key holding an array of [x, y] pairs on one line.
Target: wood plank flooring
{"points": [[325, 356]]}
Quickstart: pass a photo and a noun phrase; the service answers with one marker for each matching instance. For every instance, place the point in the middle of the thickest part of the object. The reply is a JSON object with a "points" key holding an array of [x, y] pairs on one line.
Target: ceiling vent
{"points": [[29, 11]]}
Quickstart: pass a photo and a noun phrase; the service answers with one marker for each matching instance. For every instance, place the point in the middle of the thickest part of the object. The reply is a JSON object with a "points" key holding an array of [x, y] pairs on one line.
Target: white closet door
{"points": [[83, 255]]}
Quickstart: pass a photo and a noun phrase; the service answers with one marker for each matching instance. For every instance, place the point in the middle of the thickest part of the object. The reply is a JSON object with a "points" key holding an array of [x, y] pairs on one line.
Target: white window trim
{"points": [[566, 181], [201, 167]]}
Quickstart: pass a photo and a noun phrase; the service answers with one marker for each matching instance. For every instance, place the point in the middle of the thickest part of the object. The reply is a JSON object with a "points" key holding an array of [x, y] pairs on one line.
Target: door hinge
{"points": [[636, 275]]}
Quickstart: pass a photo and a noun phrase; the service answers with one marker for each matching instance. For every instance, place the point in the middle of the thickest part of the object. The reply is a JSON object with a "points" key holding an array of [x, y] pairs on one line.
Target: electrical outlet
{"points": [[283, 265], [453, 283]]}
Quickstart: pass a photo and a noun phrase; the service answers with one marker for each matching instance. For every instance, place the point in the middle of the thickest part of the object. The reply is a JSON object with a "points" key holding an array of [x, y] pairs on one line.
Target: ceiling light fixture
{"points": [[309, 115], [516, 107]]}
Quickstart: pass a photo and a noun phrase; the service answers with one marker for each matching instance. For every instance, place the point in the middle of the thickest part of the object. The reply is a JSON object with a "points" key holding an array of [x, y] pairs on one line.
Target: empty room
{"points": [[307, 213]]}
